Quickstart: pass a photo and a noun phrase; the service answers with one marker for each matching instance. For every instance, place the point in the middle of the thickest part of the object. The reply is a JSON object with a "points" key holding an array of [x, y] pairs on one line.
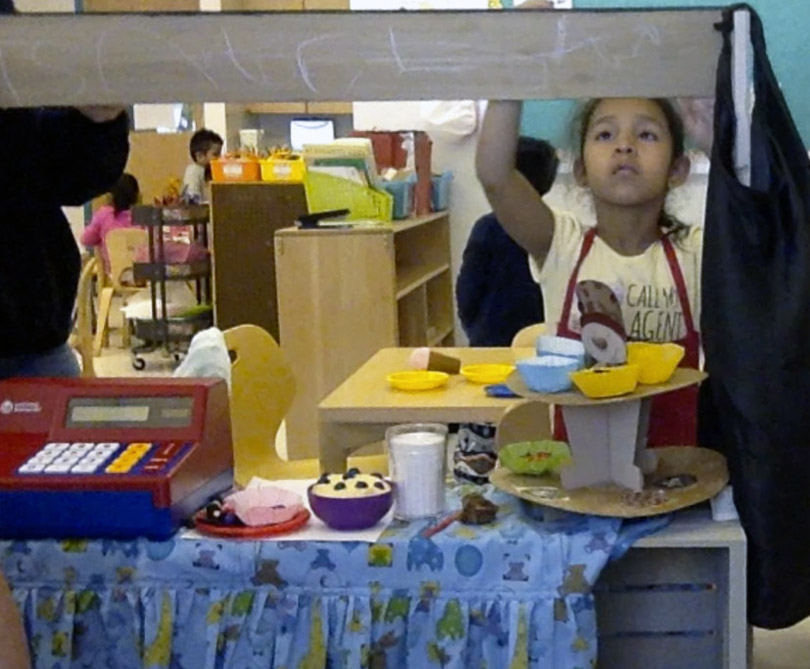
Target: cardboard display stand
{"points": [[608, 437]]}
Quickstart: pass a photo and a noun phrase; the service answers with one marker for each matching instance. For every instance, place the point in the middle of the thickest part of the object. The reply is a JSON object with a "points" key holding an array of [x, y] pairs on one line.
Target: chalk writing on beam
{"points": [[338, 57]]}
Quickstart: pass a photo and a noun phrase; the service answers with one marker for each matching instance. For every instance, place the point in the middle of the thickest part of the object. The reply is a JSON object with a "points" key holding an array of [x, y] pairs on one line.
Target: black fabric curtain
{"points": [[755, 323]]}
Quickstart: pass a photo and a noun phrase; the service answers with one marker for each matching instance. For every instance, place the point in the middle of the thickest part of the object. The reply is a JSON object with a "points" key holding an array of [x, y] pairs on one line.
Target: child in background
{"points": [[205, 146], [124, 194], [495, 292], [631, 153]]}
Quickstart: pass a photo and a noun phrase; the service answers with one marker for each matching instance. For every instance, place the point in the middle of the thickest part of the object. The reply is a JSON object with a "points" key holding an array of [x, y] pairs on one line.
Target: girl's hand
{"points": [[698, 121]]}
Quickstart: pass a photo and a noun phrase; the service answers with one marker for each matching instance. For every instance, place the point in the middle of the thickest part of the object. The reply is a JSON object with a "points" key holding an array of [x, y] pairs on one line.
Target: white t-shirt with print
{"points": [[194, 181], [643, 284]]}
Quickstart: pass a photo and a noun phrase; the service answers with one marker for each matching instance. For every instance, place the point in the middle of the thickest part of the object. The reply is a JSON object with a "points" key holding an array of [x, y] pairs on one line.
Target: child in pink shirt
{"points": [[125, 193]]}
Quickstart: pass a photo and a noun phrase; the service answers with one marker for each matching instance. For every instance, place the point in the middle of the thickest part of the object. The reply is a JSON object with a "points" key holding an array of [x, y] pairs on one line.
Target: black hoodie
{"points": [[51, 157]]}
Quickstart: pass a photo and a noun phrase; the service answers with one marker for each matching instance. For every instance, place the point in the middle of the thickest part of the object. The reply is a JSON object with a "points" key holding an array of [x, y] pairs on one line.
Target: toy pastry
{"points": [[602, 325]]}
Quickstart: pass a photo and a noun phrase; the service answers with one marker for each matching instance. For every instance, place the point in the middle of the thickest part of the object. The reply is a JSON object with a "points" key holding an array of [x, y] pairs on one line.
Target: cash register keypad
{"points": [[94, 458]]}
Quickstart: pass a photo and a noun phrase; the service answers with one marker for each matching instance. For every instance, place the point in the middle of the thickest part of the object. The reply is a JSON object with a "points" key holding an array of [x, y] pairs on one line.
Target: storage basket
{"points": [[326, 192], [403, 197], [287, 170], [230, 169], [440, 191]]}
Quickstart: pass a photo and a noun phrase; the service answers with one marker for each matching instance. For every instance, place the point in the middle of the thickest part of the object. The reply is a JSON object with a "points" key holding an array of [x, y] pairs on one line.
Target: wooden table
{"points": [[360, 409]]}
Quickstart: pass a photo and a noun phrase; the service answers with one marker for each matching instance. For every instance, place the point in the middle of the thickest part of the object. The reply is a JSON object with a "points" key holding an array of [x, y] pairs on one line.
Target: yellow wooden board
{"points": [[682, 378], [707, 466]]}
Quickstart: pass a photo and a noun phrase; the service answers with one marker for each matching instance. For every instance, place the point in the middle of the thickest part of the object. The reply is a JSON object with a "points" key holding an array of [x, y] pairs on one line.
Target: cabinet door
{"points": [[245, 219]]}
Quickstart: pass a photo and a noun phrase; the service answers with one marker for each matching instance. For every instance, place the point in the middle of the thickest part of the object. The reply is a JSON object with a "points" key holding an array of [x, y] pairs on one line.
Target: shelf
{"points": [[149, 216], [145, 271], [276, 107], [302, 108], [410, 278], [439, 336]]}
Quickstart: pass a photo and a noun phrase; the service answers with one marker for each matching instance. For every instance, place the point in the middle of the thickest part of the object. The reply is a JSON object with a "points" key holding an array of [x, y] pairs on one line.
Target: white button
{"points": [[54, 446], [84, 468], [30, 468], [108, 445], [59, 468]]}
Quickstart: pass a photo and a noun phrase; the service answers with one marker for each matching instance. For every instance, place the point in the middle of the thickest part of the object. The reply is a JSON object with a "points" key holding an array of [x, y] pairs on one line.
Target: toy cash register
{"points": [[110, 457]]}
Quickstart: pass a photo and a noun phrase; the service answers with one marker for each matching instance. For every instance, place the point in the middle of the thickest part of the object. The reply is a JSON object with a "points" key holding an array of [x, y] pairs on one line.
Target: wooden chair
{"points": [[528, 336], [527, 421], [122, 245], [262, 391], [82, 337]]}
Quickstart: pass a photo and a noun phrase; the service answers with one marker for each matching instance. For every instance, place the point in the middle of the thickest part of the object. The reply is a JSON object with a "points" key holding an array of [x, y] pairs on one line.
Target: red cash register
{"points": [[110, 457]]}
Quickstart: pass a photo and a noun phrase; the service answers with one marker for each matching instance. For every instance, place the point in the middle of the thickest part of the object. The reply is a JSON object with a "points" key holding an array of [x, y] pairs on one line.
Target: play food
{"points": [[417, 380], [535, 457], [656, 362], [565, 346], [426, 358], [600, 382], [547, 373], [265, 505], [487, 373], [350, 501]]}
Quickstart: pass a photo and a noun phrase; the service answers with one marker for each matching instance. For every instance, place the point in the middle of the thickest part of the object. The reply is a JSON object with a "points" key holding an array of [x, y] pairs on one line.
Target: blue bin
{"points": [[440, 191], [403, 200]]}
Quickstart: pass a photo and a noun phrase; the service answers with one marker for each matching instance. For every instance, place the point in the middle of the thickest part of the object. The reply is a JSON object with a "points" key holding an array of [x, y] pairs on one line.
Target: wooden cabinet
{"points": [[245, 218], [345, 293]]}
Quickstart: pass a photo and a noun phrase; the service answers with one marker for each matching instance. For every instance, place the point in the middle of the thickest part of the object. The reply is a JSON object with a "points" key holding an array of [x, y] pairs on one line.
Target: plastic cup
{"points": [[416, 465]]}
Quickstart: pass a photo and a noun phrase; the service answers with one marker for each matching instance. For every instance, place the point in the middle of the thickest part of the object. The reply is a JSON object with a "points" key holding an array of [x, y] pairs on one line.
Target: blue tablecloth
{"points": [[515, 594]]}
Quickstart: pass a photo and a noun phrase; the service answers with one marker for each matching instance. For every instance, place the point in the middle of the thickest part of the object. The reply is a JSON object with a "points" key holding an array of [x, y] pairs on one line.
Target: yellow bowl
{"points": [[656, 362], [600, 382], [487, 372], [417, 380]]}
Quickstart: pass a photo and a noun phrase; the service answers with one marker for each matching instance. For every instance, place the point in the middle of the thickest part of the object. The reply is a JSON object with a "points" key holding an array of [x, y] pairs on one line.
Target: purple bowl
{"points": [[350, 513]]}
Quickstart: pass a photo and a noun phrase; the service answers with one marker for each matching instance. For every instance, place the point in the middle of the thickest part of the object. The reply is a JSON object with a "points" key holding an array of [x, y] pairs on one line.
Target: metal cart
{"points": [[172, 333]]}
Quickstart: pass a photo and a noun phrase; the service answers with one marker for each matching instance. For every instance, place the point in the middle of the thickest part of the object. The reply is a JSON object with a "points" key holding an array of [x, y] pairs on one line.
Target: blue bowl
{"points": [[547, 373]]}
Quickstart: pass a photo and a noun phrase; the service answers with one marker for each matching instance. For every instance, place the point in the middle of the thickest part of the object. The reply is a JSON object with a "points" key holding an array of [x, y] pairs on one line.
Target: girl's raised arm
{"points": [[517, 205]]}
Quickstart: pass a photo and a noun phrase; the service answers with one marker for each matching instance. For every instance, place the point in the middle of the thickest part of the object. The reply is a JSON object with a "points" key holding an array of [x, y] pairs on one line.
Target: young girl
{"points": [[631, 153], [124, 194]]}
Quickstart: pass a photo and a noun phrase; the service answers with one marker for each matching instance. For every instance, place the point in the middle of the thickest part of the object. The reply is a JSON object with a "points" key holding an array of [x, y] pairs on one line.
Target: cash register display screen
{"points": [[129, 412]]}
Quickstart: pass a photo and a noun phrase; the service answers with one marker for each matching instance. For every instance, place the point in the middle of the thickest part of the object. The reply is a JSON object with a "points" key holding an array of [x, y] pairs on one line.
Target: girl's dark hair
{"points": [[670, 225], [125, 193]]}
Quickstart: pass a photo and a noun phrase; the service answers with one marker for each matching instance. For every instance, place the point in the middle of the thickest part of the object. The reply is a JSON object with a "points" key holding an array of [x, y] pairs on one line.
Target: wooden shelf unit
{"points": [[343, 294]]}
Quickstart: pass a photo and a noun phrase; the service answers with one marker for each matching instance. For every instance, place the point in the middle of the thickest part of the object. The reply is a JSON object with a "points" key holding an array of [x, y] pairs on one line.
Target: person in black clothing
{"points": [[495, 292], [51, 158]]}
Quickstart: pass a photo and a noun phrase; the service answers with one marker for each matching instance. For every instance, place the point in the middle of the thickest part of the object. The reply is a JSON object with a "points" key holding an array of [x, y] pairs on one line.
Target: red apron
{"points": [[673, 416]]}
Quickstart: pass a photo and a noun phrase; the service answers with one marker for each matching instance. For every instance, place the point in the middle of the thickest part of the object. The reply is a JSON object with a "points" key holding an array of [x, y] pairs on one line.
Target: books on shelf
{"points": [[348, 157]]}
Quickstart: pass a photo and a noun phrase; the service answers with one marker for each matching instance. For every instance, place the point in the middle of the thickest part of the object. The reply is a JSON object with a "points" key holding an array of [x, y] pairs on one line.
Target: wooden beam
{"points": [[127, 58]]}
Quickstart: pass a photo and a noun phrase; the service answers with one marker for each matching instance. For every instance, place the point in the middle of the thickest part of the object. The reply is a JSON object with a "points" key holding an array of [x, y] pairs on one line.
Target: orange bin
{"points": [[235, 169]]}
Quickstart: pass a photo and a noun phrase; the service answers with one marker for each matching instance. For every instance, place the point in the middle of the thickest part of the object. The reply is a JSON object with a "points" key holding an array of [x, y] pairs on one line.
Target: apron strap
{"points": [[680, 285], [587, 241]]}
